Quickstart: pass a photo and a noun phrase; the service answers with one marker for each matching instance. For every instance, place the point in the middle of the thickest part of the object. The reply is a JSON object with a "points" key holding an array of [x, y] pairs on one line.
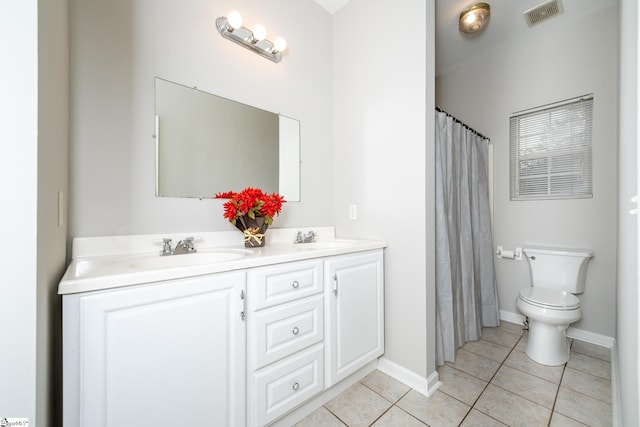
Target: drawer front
{"points": [[278, 284], [282, 386], [283, 330]]}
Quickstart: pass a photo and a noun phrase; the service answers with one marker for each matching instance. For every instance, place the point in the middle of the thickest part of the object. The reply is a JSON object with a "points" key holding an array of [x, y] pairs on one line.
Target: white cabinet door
{"points": [[354, 322], [171, 353]]}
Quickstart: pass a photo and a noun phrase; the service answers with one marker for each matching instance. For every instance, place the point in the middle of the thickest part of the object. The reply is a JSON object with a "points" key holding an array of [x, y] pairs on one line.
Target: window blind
{"points": [[550, 151]]}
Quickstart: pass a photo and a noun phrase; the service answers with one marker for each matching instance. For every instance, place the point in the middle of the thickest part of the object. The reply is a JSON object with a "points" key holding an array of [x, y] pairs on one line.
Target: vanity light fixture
{"points": [[230, 27], [474, 18]]}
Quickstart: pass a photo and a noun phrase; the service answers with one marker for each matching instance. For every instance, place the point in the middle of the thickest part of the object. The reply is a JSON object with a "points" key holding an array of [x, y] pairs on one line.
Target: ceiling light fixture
{"points": [[231, 29], [474, 18]]}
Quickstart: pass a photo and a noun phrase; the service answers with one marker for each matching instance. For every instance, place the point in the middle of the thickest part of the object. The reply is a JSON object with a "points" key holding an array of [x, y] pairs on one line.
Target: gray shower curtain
{"points": [[466, 295]]}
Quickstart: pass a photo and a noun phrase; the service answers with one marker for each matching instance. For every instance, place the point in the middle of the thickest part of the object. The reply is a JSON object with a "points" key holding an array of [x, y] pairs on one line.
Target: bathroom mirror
{"points": [[207, 144]]}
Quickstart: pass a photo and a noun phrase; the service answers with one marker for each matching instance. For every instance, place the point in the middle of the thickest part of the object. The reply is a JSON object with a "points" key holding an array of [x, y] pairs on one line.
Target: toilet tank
{"points": [[561, 270]]}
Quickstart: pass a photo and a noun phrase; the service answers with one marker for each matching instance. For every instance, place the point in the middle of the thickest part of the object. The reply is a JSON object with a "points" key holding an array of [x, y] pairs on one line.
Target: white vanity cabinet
{"points": [[285, 365], [166, 353], [354, 318], [226, 337]]}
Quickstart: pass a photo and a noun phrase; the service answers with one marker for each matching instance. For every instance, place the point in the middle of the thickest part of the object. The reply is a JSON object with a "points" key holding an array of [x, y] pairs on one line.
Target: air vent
{"points": [[543, 12]]}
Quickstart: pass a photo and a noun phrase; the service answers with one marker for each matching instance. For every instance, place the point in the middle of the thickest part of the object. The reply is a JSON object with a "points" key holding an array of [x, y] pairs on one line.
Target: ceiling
{"points": [[507, 26], [332, 6]]}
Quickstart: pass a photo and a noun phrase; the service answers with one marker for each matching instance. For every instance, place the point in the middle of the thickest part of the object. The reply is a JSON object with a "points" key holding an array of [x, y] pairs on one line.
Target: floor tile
{"points": [[387, 387], [559, 420], [437, 410], [591, 385], [500, 337], [522, 344], [320, 417], [395, 417], [358, 406], [512, 409], [521, 391], [512, 328], [592, 350], [590, 365], [478, 366], [521, 361], [464, 387], [525, 385], [583, 408], [476, 418], [487, 349]]}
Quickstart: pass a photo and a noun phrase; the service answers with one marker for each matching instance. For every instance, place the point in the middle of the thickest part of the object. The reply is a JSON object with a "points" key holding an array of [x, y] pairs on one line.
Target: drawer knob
{"points": [[295, 330], [295, 284], [296, 386]]}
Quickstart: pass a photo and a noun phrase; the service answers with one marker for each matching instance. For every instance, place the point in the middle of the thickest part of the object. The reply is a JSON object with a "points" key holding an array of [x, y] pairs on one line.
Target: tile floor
{"points": [[492, 383]]}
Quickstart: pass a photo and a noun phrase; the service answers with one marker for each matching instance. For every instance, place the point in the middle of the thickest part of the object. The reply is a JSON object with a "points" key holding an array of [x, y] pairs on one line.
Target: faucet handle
{"points": [[166, 247]]}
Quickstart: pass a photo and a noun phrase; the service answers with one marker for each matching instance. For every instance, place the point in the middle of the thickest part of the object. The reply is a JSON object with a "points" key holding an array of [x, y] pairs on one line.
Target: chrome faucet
{"points": [[184, 246], [305, 238]]}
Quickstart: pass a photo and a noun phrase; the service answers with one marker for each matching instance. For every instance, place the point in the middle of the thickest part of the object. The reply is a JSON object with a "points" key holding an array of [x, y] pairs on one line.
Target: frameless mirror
{"points": [[207, 144]]}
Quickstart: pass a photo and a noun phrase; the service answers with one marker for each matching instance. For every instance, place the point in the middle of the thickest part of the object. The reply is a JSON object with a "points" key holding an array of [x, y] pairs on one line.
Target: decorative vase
{"points": [[254, 230]]}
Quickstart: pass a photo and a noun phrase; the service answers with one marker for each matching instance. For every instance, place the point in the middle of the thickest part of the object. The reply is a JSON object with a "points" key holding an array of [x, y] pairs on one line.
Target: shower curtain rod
{"points": [[463, 125]]}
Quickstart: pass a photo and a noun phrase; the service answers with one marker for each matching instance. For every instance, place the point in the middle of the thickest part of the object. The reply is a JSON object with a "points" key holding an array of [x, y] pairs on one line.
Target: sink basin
{"points": [[325, 244], [185, 260], [85, 268]]}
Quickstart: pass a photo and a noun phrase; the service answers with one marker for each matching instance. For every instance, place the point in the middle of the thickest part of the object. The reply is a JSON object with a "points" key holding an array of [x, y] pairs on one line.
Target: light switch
{"points": [[353, 212]]}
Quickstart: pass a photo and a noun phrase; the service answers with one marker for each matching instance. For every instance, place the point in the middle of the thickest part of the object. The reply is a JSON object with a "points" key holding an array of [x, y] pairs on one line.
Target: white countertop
{"points": [[109, 262]]}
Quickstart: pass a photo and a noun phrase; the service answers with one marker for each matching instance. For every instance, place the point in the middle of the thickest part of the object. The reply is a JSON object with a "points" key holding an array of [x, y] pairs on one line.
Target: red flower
{"points": [[251, 202]]}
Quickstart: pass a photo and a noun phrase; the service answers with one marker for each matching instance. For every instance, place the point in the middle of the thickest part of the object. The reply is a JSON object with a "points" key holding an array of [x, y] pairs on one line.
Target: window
{"points": [[551, 151]]}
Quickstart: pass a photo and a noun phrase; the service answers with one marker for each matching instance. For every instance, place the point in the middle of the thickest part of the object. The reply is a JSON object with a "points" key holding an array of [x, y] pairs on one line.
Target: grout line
{"points": [[555, 399], [490, 379], [472, 406], [332, 413]]}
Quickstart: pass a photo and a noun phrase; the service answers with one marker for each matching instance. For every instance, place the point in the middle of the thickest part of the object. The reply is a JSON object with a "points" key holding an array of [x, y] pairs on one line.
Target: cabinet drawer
{"points": [[274, 285], [283, 330], [284, 385]]}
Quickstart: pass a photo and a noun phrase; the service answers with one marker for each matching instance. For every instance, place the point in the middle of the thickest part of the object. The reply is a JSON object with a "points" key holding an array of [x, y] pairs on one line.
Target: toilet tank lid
{"points": [[584, 253]]}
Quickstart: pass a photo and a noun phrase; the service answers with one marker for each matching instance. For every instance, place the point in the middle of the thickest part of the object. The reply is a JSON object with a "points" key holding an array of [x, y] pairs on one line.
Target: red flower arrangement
{"points": [[251, 202], [251, 211]]}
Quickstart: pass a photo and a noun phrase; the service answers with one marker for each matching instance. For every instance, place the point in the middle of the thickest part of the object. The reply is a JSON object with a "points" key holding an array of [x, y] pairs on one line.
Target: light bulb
{"points": [[280, 44], [259, 32], [470, 18], [234, 19]]}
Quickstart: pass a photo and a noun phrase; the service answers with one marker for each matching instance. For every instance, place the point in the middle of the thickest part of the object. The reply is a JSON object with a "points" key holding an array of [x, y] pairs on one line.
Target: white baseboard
{"points": [[591, 337], [426, 386], [575, 333], [508, 316]]}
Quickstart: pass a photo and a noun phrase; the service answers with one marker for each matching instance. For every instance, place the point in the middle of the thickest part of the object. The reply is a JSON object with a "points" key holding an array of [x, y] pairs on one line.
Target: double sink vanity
{"points": [[222, 336]]}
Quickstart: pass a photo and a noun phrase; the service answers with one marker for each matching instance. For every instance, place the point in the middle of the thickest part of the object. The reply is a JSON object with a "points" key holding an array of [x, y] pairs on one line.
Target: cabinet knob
{"points": [[295, 330], [296, 386], [295, 284]]}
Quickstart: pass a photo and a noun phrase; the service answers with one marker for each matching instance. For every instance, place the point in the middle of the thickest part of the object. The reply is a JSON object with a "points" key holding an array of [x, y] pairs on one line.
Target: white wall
{"points": [[627, 321], [383, 159], [18, 165], [553, 65], [53, 177], [118, 47], [33, 165]]}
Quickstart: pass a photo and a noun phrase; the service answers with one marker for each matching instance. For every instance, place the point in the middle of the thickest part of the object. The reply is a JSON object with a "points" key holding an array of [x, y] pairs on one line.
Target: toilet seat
{"points": [[549, 298]]}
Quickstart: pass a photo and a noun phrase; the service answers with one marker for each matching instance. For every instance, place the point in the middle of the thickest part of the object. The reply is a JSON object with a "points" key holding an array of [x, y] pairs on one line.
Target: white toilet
{"points": [[550, 304]]}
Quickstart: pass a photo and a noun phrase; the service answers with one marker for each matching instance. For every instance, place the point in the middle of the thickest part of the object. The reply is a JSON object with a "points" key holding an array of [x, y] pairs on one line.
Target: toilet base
{"points": [[547, 344]]}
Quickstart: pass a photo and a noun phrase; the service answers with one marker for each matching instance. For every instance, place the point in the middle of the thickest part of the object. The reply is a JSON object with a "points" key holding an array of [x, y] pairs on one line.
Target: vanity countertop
{"points": [[115, 261]]}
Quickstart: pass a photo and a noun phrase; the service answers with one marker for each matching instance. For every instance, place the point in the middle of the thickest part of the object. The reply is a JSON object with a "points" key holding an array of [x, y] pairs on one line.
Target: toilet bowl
{"points": [[550, 304]]}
